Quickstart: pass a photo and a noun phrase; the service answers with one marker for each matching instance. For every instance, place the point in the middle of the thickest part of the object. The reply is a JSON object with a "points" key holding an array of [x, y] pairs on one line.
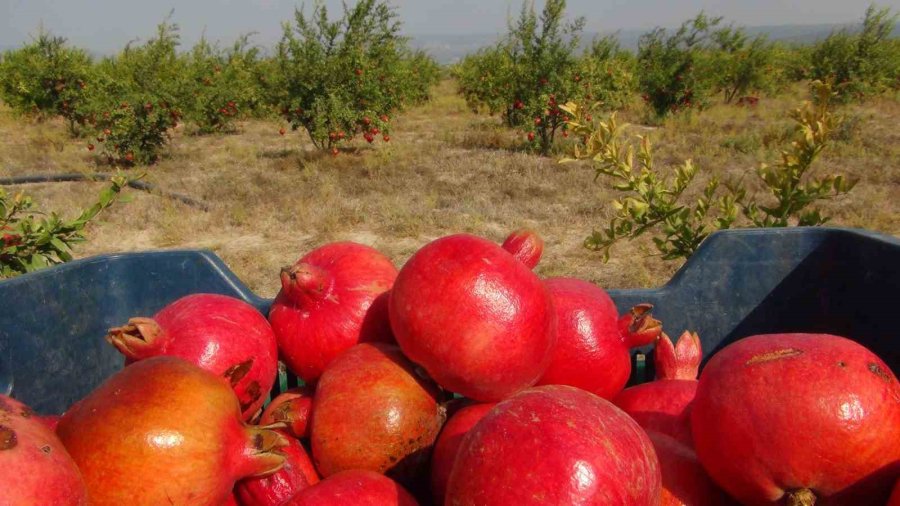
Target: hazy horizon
{"points": [[104, 26]]}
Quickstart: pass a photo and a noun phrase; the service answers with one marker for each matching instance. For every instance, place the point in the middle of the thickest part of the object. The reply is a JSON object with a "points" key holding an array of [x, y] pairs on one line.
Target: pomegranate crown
{"points": [[139, 338], [526, 245], [306, 283], [678, 361], [638, 326]]}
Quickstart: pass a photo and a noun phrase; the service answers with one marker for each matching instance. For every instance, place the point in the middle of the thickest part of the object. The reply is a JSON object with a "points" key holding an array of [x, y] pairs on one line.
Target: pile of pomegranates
{"points": [[461, 379]]}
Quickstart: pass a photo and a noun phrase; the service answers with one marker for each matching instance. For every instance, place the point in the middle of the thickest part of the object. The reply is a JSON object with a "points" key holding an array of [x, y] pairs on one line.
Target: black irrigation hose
{"points": [[137, 185]]}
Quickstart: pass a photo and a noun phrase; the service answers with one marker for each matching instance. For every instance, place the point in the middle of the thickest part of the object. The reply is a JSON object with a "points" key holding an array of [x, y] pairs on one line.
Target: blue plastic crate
{"points": [[739, 283]]}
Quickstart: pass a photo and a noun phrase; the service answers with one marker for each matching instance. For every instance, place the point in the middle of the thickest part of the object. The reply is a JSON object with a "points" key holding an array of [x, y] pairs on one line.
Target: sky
{"points": [[106, 25]]}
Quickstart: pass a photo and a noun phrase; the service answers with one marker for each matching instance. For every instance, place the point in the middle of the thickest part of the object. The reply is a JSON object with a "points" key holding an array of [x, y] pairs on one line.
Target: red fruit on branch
{"points": [[531, 136], [281, 131], [386, 138], [223, 335]]}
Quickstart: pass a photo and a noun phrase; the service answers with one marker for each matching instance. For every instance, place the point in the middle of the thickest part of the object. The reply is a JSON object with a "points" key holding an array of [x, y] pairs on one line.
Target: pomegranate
{"points": [[34, 466], [526, 245], [49, 421], [164, 431], [223, 335], [331, 299], [231, 500], [895, 497], [664, 405], [356, 487], [292, 408], [478, 320], [684, 481], [297, 474], [798, 419], [592, 351], [447, 446], [555, 445], [372, 412]]}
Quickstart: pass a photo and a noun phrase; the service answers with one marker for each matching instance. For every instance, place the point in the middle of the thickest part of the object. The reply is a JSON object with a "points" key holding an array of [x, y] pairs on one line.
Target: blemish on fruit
{"points": [[235, 373], [8, 438], [774, 355], [878, 371], [254, 392], [841, 363], [46, 449]]}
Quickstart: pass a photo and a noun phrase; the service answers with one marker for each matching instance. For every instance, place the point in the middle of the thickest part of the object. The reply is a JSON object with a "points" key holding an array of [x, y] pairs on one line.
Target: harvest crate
{"points": [[739, 283]]}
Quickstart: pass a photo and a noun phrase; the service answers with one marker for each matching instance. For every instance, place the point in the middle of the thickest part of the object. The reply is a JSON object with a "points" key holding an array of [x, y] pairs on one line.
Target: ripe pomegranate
{"points": [[34, 466], [221, 334], [331, 299], [684, 481], [555, 445], [447, 446], [297, 474], [372, 412], [798, 419], [526, 245], [592, 350], [164, 431], [292, 408], [478, 320], [664, 405], [356, 487]]}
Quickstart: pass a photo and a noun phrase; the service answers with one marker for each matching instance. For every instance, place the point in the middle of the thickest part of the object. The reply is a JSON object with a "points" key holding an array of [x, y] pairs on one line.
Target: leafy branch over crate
{"points": [[655, 200], [31, 239]]}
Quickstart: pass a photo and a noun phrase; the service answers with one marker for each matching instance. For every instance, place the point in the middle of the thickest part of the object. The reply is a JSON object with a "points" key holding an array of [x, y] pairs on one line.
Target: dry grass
{"points": [[445, 170]]}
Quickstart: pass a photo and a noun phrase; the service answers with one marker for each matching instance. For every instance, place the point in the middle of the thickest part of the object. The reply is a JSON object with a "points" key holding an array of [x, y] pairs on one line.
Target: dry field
{"points": [[446, 170]]}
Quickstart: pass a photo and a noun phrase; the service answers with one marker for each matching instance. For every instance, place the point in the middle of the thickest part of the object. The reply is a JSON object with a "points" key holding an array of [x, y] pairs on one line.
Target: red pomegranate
{"points": [[292, 408], [555, 445], [526, 245], [895, 497], [798, 419], [592, 351], [276, 489], [447, 446], [330, 300], [684, 481], [223, 335], [478, 320], [231, 500], [372, 412], [34, 466], [664, 405], [356, 487], [164, 431]]}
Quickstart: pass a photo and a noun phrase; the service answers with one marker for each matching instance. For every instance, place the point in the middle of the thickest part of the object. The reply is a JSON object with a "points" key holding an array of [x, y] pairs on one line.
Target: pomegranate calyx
{"points": [[262, 454], [800, 497], [526, 245], [680, 360], [306, 283], [638, 327], [139, 338]]}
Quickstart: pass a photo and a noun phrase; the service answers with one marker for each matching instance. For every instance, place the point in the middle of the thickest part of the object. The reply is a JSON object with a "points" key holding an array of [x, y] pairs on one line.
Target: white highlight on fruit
{"points": [[166, 439], [583, 477], [852, 411], [500, 303]]}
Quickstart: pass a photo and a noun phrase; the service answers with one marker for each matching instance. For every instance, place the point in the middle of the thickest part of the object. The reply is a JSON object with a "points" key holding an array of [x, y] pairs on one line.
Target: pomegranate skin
{"points": [[555, 445], [895, 497], [276, 489], [476, 318], [664, 405], [330, 300], [590, 351], [34, 466], [164, 431], [220, 334], [292, 408], [355, 488], [447, 446], [798, 418], [684, 481], [372, 412]]}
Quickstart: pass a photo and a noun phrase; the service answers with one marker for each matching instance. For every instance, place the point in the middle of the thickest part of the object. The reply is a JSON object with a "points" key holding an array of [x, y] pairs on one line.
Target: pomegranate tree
{"points": [[592, 346], [372, 412], [223, 335], [555, 445], [798, 419], [663, 405], [476, 318], [164, 431], [34, 466], [330, 300]]}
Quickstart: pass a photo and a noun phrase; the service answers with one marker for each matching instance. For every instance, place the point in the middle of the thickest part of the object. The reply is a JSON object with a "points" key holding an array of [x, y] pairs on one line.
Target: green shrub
{"points": [[741, 65]]}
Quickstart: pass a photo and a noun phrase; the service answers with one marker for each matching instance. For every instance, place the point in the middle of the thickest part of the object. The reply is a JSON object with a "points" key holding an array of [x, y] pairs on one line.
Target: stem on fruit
{"points": [[801, 497]]}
